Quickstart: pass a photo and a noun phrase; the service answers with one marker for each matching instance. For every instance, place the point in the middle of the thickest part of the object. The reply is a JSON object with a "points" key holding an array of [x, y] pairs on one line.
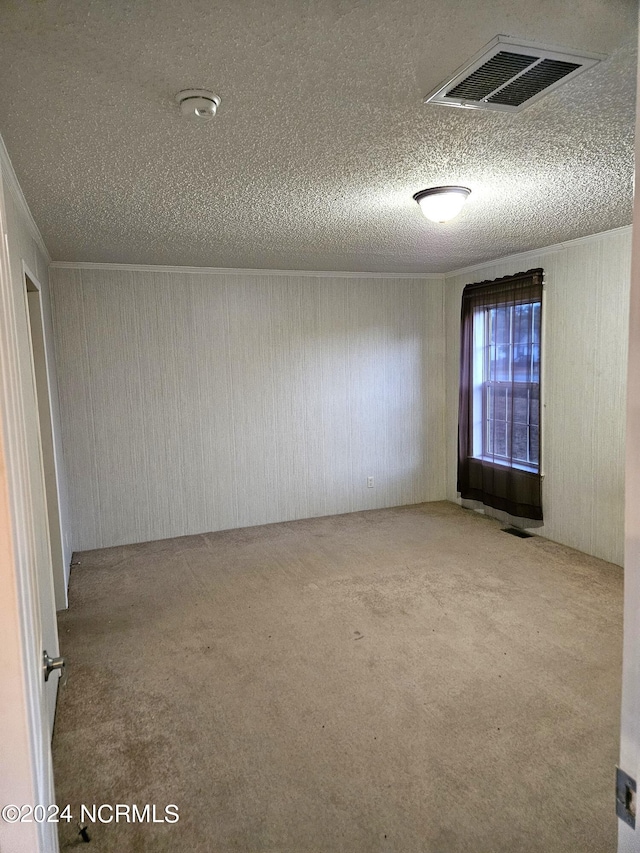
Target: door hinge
{"points": [[626, 796]]}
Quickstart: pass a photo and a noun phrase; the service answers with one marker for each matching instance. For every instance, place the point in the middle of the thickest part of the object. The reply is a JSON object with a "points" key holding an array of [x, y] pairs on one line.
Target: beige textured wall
{"points": [[195, 402], [586, 304]]}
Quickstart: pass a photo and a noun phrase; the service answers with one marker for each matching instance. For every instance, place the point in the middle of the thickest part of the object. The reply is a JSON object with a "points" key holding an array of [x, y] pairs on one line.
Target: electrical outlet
{"points": [[369, 482]]}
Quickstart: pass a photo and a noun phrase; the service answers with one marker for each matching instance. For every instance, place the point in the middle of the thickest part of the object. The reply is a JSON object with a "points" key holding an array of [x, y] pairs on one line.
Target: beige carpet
{"points": [[403, 680]]}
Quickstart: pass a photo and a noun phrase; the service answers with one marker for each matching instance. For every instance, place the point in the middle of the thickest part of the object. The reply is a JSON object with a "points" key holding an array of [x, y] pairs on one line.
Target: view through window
{"points": [[510, 385]]}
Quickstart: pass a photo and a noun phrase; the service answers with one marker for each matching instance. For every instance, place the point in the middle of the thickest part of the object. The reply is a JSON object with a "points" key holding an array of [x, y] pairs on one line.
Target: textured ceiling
{"points": [[321, 138]]}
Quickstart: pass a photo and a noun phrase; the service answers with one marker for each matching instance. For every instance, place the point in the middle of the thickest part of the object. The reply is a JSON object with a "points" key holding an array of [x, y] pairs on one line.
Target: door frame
{"points": [[26, 774], [49, 461], [628, 838]]}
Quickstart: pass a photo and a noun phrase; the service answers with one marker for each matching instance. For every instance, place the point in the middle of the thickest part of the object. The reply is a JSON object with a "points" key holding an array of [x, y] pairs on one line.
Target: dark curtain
{"points": [[511, 356]]}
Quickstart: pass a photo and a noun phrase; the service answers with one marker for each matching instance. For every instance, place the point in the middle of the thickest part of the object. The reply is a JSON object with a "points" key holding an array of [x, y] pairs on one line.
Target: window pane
{"points": [[520, 405], [497, 438], [500, 367], [491, 364], [522, 324], [536, 322], [520, 442], [522, 362], [535, 376], [502, 317], [534, 410], [497, 403], [534, 445]]}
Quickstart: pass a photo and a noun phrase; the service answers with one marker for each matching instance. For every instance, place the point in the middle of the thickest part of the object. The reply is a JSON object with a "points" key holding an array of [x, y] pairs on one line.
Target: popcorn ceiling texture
{"points": [[321, 138]]}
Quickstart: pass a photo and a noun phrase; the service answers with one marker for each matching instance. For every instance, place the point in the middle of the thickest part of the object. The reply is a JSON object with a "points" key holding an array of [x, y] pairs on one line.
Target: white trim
{"points": [[62, 598], [34, 278], [542, 402], [522, 258], [85, 265], [12, 184]]}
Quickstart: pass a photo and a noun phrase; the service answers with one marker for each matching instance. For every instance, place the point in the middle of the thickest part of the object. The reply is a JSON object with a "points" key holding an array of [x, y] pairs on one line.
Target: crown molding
{"points": [[520, 258], [85, 265], [524, 258], [11, 183]]}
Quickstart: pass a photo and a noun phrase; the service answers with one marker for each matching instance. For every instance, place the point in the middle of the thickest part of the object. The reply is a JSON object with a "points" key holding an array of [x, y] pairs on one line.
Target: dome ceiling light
{"points": [[440, 204], [198, 104]]}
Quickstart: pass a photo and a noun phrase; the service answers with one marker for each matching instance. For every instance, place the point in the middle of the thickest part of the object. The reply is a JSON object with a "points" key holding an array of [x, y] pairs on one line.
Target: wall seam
{"points": [[92, 409]]}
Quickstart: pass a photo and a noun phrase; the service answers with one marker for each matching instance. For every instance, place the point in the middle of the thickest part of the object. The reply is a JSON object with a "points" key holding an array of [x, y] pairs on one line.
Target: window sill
{"points": [[517, 466]]}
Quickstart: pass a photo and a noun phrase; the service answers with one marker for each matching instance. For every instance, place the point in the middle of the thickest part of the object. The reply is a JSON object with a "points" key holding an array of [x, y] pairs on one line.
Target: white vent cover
{"points": [[509, 75]]}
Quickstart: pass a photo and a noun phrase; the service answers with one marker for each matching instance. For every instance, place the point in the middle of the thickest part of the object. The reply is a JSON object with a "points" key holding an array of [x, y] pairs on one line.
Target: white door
{"points": [[44, 494], [27, 611]]}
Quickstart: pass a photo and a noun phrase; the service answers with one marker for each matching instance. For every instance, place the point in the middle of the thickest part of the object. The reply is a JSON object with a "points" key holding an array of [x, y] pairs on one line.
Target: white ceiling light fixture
{"points": [[198, 104], [440, 204]]}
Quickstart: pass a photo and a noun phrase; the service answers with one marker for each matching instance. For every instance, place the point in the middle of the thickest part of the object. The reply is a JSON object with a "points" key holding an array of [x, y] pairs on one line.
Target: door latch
{"points": [[50, 665]]}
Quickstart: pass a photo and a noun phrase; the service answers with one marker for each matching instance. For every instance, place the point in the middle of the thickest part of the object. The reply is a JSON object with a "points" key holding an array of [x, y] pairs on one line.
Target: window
{"points": [[507, 384], [499, 415]]}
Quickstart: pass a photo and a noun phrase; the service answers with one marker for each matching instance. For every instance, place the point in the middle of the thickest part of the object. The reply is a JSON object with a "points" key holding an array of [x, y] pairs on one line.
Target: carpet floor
{"points": [[408, 679]]}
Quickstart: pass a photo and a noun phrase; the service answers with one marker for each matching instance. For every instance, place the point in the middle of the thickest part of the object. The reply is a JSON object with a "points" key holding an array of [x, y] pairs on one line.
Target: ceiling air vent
{"points": [[508, 75]]}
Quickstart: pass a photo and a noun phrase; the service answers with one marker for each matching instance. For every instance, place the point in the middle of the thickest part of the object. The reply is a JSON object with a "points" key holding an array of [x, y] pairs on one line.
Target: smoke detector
{"points": [[509, 75], [198, 104]]}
